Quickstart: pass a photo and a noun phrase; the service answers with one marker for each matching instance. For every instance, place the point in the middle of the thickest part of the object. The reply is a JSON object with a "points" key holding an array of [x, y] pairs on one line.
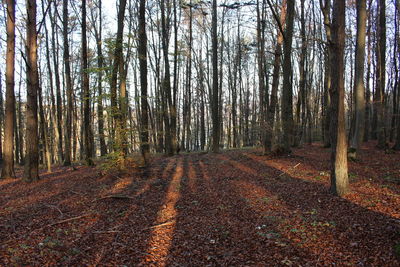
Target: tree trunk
{"points": [[8, 157], [339, 175], [326, 7], [31, 170], [168, 111], [215, 97], [69, 89], [287, 91], [100, 60], [142, 53], [275, 80], [86, 93], [58, 113], [381, 74], [359, 76]]}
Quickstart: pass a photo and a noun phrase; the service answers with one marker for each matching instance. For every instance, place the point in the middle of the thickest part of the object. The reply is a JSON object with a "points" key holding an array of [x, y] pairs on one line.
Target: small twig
{"points": [[106, 232], [283, 173], [159, 225], [78, 193], [54, 207], [114, 196], [62, 221], [70, 219]]}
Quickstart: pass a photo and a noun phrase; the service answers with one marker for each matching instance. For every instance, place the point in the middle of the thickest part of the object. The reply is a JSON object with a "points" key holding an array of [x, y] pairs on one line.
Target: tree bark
{"points": [[287, 91], [142, 52], [359, 76], [69, 89], [31, 170], [381, 74], [100, 63], [86, 94], [339, 171], [215, 95], [8, 157]]}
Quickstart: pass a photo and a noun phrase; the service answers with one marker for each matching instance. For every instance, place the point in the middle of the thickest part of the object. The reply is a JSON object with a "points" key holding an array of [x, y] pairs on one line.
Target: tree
{"points": [[261, 77], [100, 63], [166, 82], [381, 74], [287, 91], [8, 157], [142, 53], [86, 93], [215, 96], [31, 170], [339, 175], [359, 89], [69, 89], [326, 120], [118, 60], [275, 76]]}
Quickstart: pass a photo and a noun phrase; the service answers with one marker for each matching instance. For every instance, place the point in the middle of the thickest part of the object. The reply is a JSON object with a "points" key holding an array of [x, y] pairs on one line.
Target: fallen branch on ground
{"points": [[160, 225], [114, 196], [63, 221], [106, 232], [70, 219], [294, 167], [54, 207]]}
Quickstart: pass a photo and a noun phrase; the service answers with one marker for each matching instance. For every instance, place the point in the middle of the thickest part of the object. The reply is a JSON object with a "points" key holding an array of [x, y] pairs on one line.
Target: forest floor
{"points": [[235, 208]]}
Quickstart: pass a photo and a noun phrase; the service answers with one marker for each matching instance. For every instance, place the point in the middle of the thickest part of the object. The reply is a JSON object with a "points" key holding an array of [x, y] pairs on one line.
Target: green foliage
{"points": [[352, 176], [112, 162], [397, 249]]}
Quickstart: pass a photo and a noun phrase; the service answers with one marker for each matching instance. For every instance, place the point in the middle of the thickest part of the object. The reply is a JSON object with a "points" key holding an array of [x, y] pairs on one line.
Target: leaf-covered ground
{"points": [[236, 208]]}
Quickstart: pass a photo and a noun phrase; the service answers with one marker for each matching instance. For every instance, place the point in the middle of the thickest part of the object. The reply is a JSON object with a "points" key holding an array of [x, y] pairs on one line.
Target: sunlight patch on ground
{"points": [[164, 226], [122, 184]]}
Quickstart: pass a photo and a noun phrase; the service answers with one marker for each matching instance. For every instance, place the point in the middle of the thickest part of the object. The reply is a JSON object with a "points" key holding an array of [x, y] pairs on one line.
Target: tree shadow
{"points": [[98, 237], [216, 226], [361, 235]]}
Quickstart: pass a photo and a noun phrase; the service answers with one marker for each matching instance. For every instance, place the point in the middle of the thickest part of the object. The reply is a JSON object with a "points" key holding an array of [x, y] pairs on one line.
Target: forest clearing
{"points": [[236, 208], [200, 133]]}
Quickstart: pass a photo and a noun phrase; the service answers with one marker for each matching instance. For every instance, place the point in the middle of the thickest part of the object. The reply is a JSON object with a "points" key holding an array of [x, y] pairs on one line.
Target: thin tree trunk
{"points": [[275, 80], [287, 91], [381, 74], [100, 62], [86, 93], [8, 157], [142, 52], [359, 76], [31, 170], [339, 175], [57, 85], [326, 7], [69, 89], [215, 97]]}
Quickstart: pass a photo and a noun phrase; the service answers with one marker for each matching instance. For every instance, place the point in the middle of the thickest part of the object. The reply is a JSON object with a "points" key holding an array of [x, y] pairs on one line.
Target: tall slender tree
{"points": [[31, 170], [339, 171], [287, 90], [381, 75], [142, 51], [86, 93], [8, 157], [359, 88], [118, 60], [100, 62], [215, 91], [69, 89]]}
